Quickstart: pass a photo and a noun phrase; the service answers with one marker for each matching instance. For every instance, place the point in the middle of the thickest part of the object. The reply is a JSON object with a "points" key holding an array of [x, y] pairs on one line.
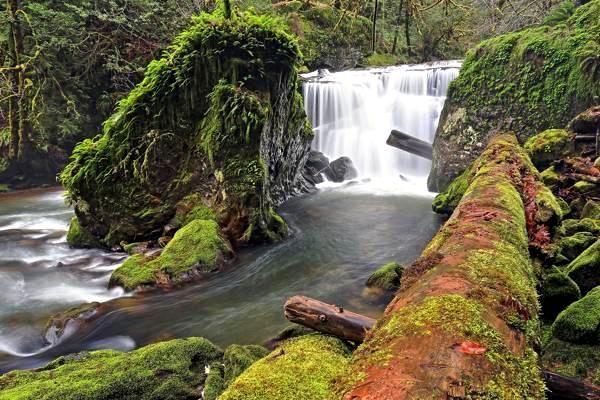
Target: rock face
{"points": [[525, 82], [219, 116], [341, 170]]}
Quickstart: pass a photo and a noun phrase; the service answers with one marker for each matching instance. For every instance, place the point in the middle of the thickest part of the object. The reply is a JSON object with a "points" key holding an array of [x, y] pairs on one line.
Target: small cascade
{"points": [[353, 112]]}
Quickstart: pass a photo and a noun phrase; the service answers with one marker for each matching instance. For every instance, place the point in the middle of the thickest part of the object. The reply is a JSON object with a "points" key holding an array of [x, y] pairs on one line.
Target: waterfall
{"points": [[353, 112]]}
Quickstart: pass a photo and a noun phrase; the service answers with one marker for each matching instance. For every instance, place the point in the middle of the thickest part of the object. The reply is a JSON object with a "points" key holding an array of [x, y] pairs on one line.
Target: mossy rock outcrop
{"points": [[558, 291], [548, 146], [301, 368], [585, 269], [197, 248], [79, 236], [526, 82], [220, 116], [387, 277], [174, 370], [580, 322]]}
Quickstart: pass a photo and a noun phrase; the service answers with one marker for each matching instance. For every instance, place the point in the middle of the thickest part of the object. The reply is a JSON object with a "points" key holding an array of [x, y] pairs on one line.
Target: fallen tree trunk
{"points": [[331, 319], [459, 327], [410, 144], [327, 318]]}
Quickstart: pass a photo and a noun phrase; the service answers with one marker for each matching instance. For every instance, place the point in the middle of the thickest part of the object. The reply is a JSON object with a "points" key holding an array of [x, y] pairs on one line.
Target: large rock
{"points": [[526, 81], [586, 122], [580, 322], [548, 146], [585, 269], [220, 115], [341, 170]]}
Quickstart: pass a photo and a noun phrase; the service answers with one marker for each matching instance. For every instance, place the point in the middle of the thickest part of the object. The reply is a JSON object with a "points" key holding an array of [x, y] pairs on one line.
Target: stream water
{"points": [[340, 235]]}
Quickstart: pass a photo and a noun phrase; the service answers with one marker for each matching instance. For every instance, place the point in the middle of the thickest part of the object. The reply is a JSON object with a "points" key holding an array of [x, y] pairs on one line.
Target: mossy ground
{"points": [[446, 202], [302, 368], [173, 370], [197, 247]]}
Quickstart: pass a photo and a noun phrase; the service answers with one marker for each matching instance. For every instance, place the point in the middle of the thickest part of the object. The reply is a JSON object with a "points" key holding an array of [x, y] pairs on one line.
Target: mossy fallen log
{"points": [[465, 321]]}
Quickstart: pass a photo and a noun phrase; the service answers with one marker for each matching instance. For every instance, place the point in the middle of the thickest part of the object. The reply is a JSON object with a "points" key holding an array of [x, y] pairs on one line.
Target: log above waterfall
{"points": [[410, 144]]}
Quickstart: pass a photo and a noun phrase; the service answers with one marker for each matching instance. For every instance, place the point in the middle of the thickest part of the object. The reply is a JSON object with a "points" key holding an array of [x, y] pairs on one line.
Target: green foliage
{"points": [[570, 227], [560, 14], [302, 368], [580, 322], [386, 277], [171, 370]]}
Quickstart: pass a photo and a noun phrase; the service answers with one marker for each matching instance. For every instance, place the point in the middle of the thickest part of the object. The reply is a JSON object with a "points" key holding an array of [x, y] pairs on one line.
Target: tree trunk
{"points": [[374, 33], [410, 144], [13, 57], [327, 318], [457, 327]]}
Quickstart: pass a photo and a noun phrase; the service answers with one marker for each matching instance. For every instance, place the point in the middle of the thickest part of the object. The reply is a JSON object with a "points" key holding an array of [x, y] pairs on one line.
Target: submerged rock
{"points": [[57, 324], [341, 170], [580, 322], [174, 370], [219, 116], [387, 277]]}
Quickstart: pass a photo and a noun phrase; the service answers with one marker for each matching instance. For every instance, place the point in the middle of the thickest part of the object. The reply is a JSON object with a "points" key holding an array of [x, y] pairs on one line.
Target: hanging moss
{"points": [[216, 116], [173, 370]]}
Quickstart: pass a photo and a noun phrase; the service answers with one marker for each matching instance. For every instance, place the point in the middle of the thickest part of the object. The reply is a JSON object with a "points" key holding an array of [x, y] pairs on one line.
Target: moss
{"points": [[446, 202], [550, 177], [549, 209], [580, 322], [585, 269], [78, 236], [591, 210], [215, 384], [548, 146], [197, 247], [573, 360], [584, 186], [238, 359], [381, 60], [557, 292], [572, 246], [302, 368], [58, 322], [3, 187], [168, 370], [386, 277], [190, 208], [570, 227]]}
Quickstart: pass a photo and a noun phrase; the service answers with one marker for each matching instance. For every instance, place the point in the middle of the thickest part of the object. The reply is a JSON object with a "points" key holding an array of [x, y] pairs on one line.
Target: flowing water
{"points": [[340, 235], [353, 113]]}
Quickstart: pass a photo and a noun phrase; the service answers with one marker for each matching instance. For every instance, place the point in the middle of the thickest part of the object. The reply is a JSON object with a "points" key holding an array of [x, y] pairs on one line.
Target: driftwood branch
{"points": [[410, 144], [334, 320], [327, 318]]}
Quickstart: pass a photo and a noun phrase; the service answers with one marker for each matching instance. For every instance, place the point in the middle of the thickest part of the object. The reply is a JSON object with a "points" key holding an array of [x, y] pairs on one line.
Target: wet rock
{"points": [[341, 170], [137, 247], [588, 122], [387, 277], [57, 324], [317, 161]]}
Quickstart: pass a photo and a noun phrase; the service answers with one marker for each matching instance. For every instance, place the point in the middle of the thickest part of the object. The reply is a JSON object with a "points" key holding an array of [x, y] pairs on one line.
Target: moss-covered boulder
{"points": [[387, 277], [569, 227], [525, 81], [221, 116], [548, 146], [585, 269], [301, 368], [557, 292], [550, 176], [79, 236], [572, 246], [173, 370], [591, 210], [580, 322], [239, 358], [586, 122], [197, 248]]}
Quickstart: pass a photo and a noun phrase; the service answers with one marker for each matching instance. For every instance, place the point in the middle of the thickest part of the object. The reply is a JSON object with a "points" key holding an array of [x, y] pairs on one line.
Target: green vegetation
{"points": [[570, 227], [572, 246], [238, 359], [78, 236], [580, 322], [575, 360], [172, 370], [548, 146], [386, 277], [591, 210], [446, 202], [197, 247], [302, 368], [585, 269], [557, 292]]}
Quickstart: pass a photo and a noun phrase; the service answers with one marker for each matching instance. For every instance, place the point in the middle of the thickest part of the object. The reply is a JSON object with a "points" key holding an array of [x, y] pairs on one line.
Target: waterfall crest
{"points": [[353, 112]]}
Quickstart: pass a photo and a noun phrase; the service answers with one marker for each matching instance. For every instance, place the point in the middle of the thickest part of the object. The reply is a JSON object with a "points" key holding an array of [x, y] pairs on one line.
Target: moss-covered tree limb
{"points": [[465, 321]]}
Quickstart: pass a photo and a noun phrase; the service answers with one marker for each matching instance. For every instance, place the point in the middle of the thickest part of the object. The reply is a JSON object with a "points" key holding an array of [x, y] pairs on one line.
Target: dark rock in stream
{"points": [[341, 170], [58, 323]]}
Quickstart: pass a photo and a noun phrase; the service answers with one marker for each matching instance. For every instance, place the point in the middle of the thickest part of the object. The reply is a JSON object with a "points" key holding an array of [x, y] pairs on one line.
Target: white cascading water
{"points": [[353, 112]]}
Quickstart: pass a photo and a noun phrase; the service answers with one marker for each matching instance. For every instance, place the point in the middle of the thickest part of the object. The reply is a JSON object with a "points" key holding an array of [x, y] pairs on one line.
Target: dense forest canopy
{"points": [[64, 65]]}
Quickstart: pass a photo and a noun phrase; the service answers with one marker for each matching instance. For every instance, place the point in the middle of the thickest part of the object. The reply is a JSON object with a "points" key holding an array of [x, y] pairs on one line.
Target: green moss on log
{"points": [[580, 322], [301, 368], [387, 277], [170, 370]]}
